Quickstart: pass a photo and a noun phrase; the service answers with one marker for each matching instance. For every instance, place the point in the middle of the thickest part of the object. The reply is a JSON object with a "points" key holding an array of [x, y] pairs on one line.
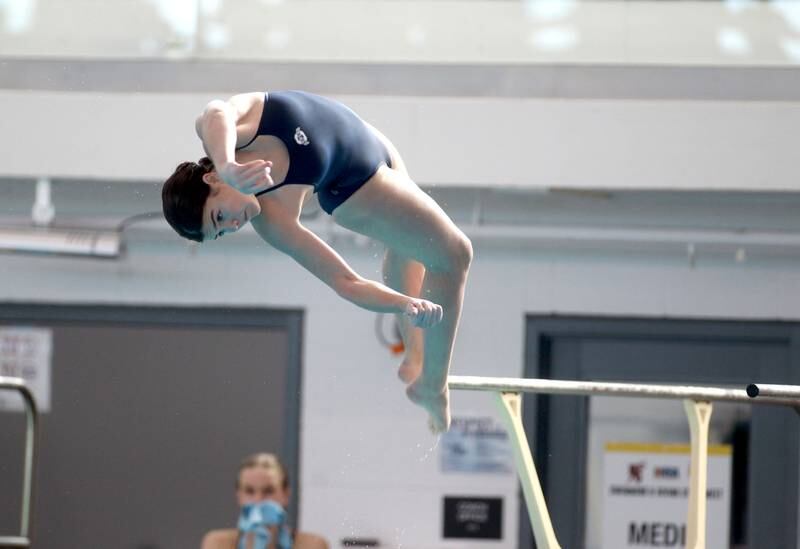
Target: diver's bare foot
{"points": [[436, 403], [409, 370]]}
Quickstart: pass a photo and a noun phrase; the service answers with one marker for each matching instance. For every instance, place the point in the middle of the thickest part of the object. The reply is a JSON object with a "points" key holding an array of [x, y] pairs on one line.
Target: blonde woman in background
{"points": [[261, 477]]}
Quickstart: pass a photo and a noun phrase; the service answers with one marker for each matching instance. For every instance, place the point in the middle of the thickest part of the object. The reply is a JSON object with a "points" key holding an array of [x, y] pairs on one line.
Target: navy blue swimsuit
{"points": [[329, 146]]}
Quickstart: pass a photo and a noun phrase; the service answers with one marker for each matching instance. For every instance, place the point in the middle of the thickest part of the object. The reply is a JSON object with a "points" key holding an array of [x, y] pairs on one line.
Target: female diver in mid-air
{"points": [[294, 142]]}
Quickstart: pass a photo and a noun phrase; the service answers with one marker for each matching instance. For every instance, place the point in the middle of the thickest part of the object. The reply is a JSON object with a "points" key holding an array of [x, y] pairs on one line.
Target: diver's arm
{"points": [[216, 127], [323, 262]]}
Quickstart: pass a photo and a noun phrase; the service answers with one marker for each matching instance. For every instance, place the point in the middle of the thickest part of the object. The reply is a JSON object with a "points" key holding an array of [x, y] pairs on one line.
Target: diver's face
{"points": [[226, 210], [259, 484]]}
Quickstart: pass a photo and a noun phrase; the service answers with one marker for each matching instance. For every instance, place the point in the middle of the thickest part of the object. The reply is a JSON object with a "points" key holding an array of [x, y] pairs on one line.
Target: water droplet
{"points": [[430, 450]]}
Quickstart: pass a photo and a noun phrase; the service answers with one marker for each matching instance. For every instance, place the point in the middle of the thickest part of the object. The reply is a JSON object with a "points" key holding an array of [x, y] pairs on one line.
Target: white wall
{"points": [[367, 468], [525, 143], [742, 32]]}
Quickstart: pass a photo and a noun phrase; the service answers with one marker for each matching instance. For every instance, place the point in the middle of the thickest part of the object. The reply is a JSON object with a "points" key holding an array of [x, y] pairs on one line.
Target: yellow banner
{"points": [[655, 448]]}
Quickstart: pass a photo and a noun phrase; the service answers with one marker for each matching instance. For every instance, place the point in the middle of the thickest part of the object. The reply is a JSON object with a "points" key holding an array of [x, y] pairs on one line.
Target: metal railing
{"points": [[32, 422], [697, 404]]}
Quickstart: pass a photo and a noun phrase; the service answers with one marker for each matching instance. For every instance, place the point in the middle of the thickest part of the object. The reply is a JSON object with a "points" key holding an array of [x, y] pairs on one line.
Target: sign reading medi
{"points": [[646, 495]]}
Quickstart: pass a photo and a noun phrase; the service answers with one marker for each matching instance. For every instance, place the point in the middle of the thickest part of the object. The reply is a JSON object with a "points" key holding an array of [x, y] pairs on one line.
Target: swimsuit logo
{"points": [[300, 137]]}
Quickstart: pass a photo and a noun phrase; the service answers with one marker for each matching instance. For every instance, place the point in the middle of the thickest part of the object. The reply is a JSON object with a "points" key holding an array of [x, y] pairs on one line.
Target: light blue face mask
{"points": [[256, 518]]}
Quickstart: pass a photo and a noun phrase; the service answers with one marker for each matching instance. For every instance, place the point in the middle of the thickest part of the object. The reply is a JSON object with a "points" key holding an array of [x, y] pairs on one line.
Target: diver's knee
{"points": [[460, 253]]}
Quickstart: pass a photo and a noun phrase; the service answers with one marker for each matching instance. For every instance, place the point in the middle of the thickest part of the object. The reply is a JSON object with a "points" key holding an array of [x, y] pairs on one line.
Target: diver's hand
{"points": [[423, 313], [249, 178]]}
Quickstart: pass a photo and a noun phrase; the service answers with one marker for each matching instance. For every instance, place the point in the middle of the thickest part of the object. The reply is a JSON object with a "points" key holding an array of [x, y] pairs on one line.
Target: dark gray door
{"points": [[692, 352], [152, 411]]}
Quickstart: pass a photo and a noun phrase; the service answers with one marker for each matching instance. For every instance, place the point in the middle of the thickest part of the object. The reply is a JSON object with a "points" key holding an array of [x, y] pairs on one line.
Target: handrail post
{"points": [[699, 415], [510, 405]]}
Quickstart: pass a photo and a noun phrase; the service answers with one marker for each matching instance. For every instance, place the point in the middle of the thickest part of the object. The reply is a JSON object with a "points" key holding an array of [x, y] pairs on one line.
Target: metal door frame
{"points": [[540, 330], [290, 320]]}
